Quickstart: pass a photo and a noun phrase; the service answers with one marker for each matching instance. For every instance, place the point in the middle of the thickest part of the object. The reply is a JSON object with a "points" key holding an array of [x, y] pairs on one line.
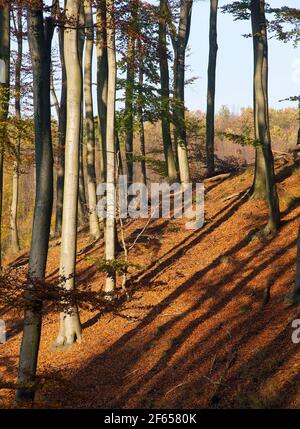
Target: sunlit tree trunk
{"points": [[179, 83], [165, 92], [70, 328], [102, 79], [211, 88], [89, 119], [82, 203], [4, 93], [16, 167], [261, 110], [60, 171], [110, 225], [39, 36], [129, 89], [141, 125]]}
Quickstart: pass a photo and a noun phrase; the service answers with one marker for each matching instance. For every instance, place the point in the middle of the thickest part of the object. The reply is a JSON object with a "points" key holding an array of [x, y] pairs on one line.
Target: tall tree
{"points": [[102, 80], [211, 87], [129, 87], [141, 122], [62, 118], [165, 91], [4, 92], [180, 40], [82, 203], [110, 224], [89, 122], [18, 27], [261, 110], [70, 328], [40, 37]]}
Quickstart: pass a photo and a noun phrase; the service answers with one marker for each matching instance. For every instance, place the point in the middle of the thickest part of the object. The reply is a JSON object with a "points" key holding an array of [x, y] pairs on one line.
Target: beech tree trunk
{"points": [[261, 112], [129, 88], [4, 94], [15, 244], [165, 93], [102, 79], [82, 203], [60, 172], [89, 118], [141, 125], [39, 36], [110, 224], [70, 327], [179, 83], [211, 88]]}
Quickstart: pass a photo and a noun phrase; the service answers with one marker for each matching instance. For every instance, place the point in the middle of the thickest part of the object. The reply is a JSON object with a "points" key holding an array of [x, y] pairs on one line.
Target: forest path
{"points": [[194, 333]]}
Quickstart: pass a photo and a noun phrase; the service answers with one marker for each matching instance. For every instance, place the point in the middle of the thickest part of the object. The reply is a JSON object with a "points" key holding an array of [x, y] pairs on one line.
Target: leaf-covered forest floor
{"points": [[195, 332]]}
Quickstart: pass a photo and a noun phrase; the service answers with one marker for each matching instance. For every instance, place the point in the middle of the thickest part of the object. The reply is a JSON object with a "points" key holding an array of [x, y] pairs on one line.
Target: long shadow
{"points": [[189, 329], [135, 280], [120, 346], [251, 325], [151, 316]]}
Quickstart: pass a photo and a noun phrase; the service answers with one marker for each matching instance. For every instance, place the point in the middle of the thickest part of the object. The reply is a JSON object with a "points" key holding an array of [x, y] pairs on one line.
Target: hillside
{"points": [[197, 331]]}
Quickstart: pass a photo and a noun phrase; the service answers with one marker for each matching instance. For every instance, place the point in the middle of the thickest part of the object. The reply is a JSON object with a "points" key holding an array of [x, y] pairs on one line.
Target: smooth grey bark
{"points": [[141, 125], [4, 95], [180, 41], [259, 182], [102, 80], [15, 243], [165, 93], [261, 110], [62, 119], [259, 190], [110, 224], [82, 203], [211, 88], [40, 37], [118, 152], [129, 88], [53, 92], [70, 327], [89, 123]]}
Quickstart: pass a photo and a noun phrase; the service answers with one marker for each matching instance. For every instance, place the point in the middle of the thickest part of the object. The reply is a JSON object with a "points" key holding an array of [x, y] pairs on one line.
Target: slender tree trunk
{"points": [[110, 224], [259, 182], [118, 151], [141, 126], [89, 118], [16, 167], [102, 80], [165, 93], [129, 89], [179, 108], [211, 88], [261, 110], [60, 172], [53, 92], [39, 36], [4, 95], [82, 203], [70, 328]]}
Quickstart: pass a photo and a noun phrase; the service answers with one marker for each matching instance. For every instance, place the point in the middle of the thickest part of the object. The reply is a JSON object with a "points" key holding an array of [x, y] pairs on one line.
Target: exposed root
{"points": [[69, 332]]}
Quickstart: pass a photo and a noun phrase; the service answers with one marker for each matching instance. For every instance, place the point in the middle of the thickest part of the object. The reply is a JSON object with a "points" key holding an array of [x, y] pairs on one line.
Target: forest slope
{"points": [[195, 332]]}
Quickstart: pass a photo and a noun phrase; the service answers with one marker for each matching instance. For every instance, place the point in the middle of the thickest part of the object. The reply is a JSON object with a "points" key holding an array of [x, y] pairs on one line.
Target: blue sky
{"points": [[234, 84]]}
